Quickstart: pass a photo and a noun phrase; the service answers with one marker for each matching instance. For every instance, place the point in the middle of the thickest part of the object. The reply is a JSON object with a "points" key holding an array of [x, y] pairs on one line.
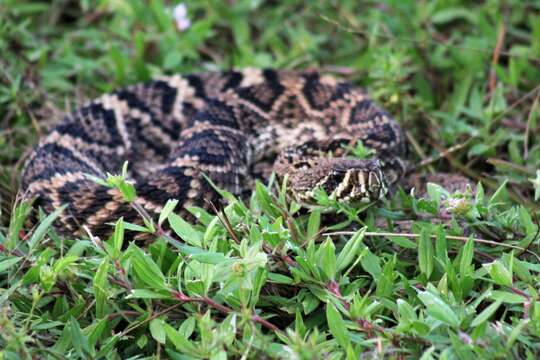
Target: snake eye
{"points": [[336, 177], [339, 171]]}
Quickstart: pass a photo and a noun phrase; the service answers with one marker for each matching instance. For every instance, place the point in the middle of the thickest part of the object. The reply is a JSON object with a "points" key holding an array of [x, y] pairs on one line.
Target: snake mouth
{"points": [[361, 185], [348, 181], [358, 181]]}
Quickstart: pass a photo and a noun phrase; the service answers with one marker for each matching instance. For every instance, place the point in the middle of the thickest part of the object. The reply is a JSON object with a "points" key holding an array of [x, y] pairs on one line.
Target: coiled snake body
{"points": [[232, 126]]}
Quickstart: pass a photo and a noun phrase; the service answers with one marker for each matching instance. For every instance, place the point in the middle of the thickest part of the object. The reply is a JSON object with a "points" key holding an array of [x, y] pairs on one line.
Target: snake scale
{"points": [[233, 126]]}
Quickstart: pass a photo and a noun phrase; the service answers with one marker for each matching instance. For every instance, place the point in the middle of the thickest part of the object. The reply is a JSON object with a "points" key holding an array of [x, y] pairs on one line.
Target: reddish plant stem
{"points": [[222, 308], [123, 275], [333, 287], [521, 293], [265, 323], [526, 304], [123, 313], [286, 258], [120, 283], [12, 252]]}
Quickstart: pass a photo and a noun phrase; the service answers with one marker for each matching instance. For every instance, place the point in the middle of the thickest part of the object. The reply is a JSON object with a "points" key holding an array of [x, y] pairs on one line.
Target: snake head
{"points": [[345, 180], [356, 181]]}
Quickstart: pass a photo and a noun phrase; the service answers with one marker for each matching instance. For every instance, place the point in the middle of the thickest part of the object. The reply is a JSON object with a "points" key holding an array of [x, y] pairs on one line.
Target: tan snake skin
{"points": [[230, 126]]}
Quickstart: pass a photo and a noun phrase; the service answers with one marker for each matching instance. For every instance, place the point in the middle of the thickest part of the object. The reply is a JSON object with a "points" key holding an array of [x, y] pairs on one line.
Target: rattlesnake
{"points": [[232, 126]]}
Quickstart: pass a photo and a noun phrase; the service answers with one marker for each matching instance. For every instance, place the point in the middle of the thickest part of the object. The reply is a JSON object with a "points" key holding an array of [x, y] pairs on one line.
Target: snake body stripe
{"points": [[233, 126]]}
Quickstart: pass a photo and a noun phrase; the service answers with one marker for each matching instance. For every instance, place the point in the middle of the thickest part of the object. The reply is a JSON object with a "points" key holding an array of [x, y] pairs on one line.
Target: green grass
{"points": [[263, 279]]}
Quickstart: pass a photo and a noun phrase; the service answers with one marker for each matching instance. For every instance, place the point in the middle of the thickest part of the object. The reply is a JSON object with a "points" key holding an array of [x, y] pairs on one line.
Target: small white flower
{"points": [[181, 17], [459, 206]]}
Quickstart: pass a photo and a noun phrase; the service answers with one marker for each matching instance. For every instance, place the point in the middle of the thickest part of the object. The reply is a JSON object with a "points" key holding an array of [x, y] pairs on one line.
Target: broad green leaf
{"points": [[142, 341], [514, 334], [167, 210], [500, 195], [499, 273], [147, 294], [337, 326], [529, 226], [79, 341], [372, 264], [8, 263], [385, 283], [18, 218], [64, 262], [157, 330], [258, 282], [265, 200], [210, 257], [350, 250], [402, 241], [405, 310], [96, 331], [187, 327], [425, 252], [507, 297], [185, 230], [147, 270], [180, 342], [279, 278], [100, 292], [136, 228], [436, 192], [299, 326], [480, 196], [118, 237], [327, 262], [314, 223], [108, 347], [441, 246], [467, 254], [450, 14], [486, 313], [127, 189], [310, 303], [43, 227], [438, 309]]}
